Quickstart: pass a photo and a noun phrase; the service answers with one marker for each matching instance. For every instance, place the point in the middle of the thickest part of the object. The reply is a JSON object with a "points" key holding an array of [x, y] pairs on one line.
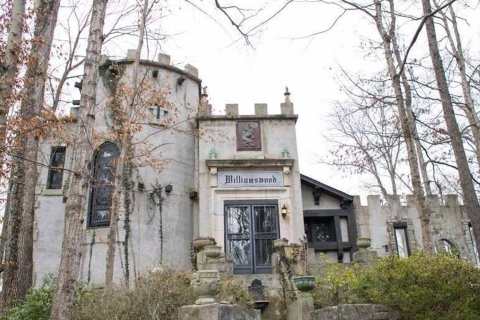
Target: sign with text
{"points": [[235, 179]]}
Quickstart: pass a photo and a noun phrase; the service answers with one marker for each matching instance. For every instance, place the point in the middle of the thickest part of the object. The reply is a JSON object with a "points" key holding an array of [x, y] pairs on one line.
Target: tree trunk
{"points": [[456, 46], [9, 293], [32, 104], [69, 268], [407, 126], [125, 168], [9, 68], [470, 199], [409, 109]]}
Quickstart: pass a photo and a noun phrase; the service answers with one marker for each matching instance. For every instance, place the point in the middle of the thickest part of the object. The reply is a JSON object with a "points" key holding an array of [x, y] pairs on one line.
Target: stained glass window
{"points": [[104, 166]]}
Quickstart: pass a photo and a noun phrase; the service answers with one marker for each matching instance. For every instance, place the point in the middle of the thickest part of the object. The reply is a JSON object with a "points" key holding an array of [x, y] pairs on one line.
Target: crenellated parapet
{"points": [[387, 221]]}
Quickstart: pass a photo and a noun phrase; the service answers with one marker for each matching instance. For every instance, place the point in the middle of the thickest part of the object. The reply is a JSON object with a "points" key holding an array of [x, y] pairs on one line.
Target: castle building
{"points": [[231, 180]]}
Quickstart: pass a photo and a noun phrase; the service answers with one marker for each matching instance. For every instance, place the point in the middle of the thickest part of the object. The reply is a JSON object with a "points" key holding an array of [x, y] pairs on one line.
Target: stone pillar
{"points": [[302, 308]]}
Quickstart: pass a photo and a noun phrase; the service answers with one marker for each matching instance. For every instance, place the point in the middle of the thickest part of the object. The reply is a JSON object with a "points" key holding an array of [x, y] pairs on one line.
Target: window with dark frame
{"points": [[329, 231], [104, 167], [55, 170]]}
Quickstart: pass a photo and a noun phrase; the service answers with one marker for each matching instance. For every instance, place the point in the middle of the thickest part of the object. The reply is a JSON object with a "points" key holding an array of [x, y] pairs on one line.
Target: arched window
{"points": [[447, 246], [104, 166]]}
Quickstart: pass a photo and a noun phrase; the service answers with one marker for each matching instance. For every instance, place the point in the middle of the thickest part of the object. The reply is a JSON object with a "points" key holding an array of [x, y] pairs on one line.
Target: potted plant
{"points": [[304, 283]]}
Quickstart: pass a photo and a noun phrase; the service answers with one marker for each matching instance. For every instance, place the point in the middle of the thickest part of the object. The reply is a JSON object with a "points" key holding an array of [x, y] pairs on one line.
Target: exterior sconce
{"points": [[284, 211], [168, 188]]}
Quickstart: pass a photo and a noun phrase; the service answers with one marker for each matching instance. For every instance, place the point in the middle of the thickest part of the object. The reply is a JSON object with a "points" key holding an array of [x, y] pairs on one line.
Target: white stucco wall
{"points": [[218, 135], [172, 142]]}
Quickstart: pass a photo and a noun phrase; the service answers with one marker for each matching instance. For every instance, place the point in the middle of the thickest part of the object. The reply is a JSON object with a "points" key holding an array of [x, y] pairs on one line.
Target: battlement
{"points": [[261, 109], [434, 201]]}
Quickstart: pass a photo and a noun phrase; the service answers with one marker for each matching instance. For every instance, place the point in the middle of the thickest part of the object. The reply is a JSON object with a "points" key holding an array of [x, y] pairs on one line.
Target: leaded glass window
{"points": [[104, 167], [250, 232]]}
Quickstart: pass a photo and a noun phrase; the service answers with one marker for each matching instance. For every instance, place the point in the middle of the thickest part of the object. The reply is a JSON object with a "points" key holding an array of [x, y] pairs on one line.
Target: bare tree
{"points": [[68, 272], [470, 199], [365, 133], [456, 46]]}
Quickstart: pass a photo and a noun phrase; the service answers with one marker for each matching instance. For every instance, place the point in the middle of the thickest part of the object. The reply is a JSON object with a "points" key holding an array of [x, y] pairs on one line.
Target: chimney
{"points": [[261, 109], [287, 106], [231, 110]]}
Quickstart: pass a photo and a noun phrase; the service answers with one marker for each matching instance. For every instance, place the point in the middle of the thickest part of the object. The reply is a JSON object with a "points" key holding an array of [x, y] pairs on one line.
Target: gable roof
{"points": [[325, 188]]}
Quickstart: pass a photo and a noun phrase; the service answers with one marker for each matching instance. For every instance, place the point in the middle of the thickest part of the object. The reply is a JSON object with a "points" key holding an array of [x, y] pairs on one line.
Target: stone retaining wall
{"points": [[355, 312]]}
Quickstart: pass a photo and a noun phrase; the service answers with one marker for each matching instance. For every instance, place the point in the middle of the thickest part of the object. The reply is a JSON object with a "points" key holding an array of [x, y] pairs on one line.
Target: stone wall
{"points": [[355, 312], [376, 221]]}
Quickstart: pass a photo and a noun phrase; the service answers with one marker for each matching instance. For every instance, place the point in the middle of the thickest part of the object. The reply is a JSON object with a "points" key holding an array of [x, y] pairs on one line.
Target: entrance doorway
{"points": [[250, 228]]}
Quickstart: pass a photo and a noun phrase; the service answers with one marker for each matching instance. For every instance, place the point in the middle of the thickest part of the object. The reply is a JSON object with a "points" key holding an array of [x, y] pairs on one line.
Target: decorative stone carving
{"points": [[257, 290], [248, 136]]}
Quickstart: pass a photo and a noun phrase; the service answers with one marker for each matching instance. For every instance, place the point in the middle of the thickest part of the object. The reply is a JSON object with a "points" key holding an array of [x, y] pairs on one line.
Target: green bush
{"points": [[337, 285], [37, 304], [421, 287]]}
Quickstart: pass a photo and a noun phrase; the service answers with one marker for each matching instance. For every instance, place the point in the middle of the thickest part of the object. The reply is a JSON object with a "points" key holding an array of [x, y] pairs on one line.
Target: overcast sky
{"points": [[236, 73]]}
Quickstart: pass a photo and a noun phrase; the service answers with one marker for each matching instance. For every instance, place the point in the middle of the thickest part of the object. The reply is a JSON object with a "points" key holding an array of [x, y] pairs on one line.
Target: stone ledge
{"points": [[355, 312], [249, 163], [293, 117]]}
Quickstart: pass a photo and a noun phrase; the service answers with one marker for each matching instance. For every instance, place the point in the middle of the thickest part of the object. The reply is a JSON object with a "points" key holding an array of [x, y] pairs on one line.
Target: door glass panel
{"points": [[240, 252], [238, 220], [263, 252], [265, 218], [250, 231]]}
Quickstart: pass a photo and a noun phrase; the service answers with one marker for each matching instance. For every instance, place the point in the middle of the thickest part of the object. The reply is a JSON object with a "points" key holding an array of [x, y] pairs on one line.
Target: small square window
{"points": [[158, 112], [155, 74], [55, 171]]}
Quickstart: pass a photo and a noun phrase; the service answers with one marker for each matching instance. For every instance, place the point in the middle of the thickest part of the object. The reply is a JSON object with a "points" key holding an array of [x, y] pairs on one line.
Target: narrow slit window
{"points": [[474, 244], [402, 242], [55, 171]]}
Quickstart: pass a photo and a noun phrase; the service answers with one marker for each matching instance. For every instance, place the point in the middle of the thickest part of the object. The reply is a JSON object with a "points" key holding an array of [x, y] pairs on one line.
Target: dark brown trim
{"points": [[327, 189]]}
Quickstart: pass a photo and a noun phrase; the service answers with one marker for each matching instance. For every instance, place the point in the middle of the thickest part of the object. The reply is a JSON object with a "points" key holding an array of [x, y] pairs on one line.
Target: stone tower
{"points": [[158, 230]]}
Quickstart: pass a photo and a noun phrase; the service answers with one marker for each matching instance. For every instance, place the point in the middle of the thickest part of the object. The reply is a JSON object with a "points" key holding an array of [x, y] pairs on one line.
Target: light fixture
{"points": [[284, 211]]}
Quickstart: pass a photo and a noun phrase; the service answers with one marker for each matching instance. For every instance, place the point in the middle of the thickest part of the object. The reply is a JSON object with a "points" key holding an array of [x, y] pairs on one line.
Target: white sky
{"points": [[235, 73]]}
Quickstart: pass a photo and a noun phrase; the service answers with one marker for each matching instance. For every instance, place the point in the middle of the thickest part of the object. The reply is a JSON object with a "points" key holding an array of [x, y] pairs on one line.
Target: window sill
{"points": [[52, 192]]}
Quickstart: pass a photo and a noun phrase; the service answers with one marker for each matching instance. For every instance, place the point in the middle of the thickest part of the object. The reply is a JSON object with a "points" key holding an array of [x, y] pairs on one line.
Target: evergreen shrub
{"points": [[421, 287]]}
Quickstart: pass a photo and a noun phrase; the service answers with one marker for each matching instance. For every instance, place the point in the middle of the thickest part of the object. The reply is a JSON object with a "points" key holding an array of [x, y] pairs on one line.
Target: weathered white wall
{"points": [[173, 143], [218, 134], [448, 221]]}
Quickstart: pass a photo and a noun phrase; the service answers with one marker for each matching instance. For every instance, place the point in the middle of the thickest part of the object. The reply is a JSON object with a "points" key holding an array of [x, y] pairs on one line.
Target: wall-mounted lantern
{"points": [[284, 211]]}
